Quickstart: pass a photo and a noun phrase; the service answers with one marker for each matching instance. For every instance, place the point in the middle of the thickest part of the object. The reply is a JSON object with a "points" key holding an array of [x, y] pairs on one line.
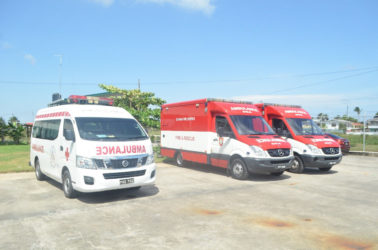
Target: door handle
{"points": [[61, 148], [215, 139]]}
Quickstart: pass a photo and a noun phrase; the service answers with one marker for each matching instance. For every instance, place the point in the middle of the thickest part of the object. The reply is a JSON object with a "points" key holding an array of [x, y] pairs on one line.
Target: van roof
{"points": [[80, 110], [287, 111], [204, 100]]}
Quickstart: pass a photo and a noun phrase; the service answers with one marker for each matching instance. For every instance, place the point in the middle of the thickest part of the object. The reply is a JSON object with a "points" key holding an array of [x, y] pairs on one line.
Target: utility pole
{"points": [[363, 140], [139, 84], [60, 72], [347, 110]]}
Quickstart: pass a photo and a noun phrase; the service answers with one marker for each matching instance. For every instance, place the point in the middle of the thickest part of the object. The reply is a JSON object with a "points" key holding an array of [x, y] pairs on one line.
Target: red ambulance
{"points": [[227, 134], [312, 148]]}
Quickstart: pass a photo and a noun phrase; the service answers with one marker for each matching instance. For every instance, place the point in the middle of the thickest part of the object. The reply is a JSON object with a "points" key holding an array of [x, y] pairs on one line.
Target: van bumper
{"points": [[100, 183], [315, 161], [270, 165]]}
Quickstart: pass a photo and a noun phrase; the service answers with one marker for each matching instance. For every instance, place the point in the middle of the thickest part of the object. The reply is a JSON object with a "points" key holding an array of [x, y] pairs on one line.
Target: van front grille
{"points": [[124, 174]]}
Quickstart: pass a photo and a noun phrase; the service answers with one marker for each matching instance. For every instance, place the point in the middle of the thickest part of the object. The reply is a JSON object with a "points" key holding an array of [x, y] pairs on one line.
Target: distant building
{"points": [[372, 124]]}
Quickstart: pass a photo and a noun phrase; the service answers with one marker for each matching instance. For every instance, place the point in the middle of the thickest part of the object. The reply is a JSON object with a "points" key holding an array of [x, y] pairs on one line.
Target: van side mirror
{"points": [[69, 135]]}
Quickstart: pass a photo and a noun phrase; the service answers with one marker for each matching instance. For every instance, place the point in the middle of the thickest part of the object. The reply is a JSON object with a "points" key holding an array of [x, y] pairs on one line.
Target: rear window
{"points": [[109, 129]]}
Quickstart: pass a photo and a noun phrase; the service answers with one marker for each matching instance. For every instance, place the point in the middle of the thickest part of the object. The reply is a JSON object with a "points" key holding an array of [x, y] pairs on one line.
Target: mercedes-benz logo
{"points": [[280, 152], [331, 150], [125, 163]]}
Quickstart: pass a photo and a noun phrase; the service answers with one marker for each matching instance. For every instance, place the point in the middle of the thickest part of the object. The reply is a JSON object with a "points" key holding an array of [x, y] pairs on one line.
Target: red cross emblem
{"points": [[67, 154], [220, 141]]}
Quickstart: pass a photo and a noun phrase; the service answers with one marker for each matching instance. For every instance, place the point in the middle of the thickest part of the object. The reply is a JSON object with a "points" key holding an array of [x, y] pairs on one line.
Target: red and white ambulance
{"points": [[90, 148], [227, 134], [312, 148]]}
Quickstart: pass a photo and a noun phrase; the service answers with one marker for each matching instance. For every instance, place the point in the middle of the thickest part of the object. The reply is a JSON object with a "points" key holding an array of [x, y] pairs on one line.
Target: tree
{"points": [[358, 111], [376, 114], [15, 131], [13, 119], [3, 129], [322, 117], [144, 106]]}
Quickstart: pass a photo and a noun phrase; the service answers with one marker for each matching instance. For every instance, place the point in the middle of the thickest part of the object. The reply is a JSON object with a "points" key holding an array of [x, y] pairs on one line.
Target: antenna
{"points": [[60, 71]]}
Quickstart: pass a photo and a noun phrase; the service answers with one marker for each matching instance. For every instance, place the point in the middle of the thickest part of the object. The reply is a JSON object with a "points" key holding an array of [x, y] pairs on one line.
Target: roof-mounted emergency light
{"points": [[78, 99]]}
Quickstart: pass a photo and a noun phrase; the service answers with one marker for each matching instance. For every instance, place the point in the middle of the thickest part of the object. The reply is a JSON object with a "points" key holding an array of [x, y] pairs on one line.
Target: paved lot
{"points": [[198, 207]]}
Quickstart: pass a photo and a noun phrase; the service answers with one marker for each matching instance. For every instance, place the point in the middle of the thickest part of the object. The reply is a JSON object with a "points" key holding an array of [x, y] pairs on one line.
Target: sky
{"points": [[322, 55]]}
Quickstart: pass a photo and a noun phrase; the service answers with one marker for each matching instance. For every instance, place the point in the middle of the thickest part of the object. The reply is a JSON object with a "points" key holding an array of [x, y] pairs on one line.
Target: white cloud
{"points": [[105, 3], [30, 59], [205, 6]]}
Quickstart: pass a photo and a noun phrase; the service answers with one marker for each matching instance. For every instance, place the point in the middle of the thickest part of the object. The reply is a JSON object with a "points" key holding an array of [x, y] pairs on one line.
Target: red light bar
{"points": [[79, 99]]}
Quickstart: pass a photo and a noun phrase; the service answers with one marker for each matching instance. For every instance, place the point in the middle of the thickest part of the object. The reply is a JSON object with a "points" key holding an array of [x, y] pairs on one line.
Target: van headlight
{"points": [[150, 159], [313, 149], [83, 162], [257, 151]]}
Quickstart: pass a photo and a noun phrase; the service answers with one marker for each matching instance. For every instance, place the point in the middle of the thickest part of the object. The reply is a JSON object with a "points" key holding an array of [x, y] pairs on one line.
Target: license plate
{"points": [[332, 163], [280, 167], [126, 181]]}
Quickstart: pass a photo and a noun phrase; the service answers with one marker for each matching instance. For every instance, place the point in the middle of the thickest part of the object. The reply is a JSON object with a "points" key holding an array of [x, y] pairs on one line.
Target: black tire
{"points": [[325, 169], [179, 159], [238, 169], [277, 173], [297, 166], [68, 190], [38, 173]]}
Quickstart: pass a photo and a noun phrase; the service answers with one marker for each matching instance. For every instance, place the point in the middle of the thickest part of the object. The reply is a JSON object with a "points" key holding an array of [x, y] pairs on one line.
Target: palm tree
{"points": [[358, 111]]}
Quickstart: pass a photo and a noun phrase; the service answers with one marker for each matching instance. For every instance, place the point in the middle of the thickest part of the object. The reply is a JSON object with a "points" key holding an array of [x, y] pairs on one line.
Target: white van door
{"points": [[67, 156]]}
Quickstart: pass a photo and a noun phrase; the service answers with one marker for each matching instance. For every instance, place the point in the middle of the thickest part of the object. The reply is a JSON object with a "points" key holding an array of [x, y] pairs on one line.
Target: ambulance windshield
{"points": [[304, 126], [251, 125], [109, 129]]}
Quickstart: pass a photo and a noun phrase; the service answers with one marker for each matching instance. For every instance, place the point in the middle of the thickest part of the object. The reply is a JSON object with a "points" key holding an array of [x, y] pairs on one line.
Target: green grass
{"points": [[371, 142], [14, 158]]}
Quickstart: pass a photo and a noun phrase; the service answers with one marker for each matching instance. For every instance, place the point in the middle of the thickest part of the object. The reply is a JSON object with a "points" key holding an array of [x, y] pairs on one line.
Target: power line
{"points": [[322, 82], [371, 69]]}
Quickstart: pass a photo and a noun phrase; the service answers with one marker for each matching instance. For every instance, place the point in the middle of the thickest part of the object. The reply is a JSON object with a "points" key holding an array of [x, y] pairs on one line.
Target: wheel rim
{"points": [[295, 165], [37, 170], [179, 159], [237, 169], [67, 184]]}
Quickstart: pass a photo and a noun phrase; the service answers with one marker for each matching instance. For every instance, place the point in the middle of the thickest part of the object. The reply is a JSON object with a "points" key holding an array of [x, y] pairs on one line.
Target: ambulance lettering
{"points": [[38, 148], [244, 109], [270, 140], [118, 150]]}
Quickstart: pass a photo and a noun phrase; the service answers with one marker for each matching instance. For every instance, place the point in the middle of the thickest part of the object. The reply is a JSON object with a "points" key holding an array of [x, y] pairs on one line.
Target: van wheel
{"points": [[68, 190], [238, 169], [38, 173], [325, 169], [297, 165], [179, 160], [277, 173]]}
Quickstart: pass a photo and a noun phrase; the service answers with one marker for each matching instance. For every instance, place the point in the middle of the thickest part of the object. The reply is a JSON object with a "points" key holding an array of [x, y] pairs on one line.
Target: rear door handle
{"points": [[61, 148]]}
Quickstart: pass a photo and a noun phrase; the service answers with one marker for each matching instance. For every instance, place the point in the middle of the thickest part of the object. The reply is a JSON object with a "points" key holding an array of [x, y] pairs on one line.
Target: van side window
{"points": [[280, 128], [223, 127], [67, 128], [47, 130]]}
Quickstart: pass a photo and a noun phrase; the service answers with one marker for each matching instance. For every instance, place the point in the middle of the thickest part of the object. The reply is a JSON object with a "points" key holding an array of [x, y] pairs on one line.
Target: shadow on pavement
{"points": [[112, 195]]}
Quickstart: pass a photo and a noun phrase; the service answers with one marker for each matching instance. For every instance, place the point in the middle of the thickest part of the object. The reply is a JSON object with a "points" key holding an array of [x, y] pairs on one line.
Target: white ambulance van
{"points": [[91, 148], [223, 133]]}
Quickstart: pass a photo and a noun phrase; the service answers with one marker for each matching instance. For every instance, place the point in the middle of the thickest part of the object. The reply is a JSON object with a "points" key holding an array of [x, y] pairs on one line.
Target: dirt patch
{"points": [[340, 242], [207, 211]]}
